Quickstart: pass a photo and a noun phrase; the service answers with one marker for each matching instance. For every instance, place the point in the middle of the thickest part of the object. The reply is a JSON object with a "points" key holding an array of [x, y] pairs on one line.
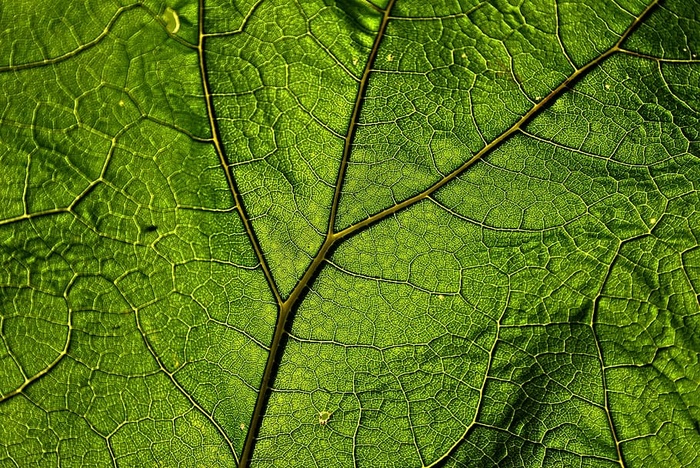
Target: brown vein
{"points": [[287, 306]]}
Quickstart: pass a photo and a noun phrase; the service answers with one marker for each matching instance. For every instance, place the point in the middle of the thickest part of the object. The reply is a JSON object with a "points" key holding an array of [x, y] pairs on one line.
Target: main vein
{"points": [[286, 308]]}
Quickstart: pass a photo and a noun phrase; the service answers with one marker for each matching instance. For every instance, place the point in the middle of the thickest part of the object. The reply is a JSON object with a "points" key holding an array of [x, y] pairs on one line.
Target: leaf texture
{"points": [[350, 233]]}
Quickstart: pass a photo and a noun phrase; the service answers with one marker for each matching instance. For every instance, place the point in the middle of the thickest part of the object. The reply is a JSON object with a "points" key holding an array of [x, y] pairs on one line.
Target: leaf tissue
{"points": [[350, 233]]}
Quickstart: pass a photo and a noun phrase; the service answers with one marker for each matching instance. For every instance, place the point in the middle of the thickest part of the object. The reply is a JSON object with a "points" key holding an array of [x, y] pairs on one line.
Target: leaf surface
{"points": [[353, 233]]}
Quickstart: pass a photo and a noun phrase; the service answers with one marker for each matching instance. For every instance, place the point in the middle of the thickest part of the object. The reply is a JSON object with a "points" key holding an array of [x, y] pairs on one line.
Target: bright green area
{"points": [[541, 309]]}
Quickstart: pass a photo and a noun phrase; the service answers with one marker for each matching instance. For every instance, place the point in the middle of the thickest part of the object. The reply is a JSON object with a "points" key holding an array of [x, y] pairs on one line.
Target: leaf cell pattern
{"points": [[357, 233]]}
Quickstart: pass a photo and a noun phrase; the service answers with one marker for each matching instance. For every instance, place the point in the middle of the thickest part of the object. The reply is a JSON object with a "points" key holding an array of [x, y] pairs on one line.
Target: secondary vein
{"points": [[536, 109], [216, 139]]}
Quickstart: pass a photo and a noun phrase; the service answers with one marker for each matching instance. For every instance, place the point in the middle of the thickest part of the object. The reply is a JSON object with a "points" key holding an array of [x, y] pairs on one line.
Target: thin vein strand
{"points": [[224, 163], [72, 53], [354, 119]]}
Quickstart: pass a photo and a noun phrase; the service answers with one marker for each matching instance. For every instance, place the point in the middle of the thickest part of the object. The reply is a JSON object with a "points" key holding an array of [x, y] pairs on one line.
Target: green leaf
{"points": [[357, 233]]}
